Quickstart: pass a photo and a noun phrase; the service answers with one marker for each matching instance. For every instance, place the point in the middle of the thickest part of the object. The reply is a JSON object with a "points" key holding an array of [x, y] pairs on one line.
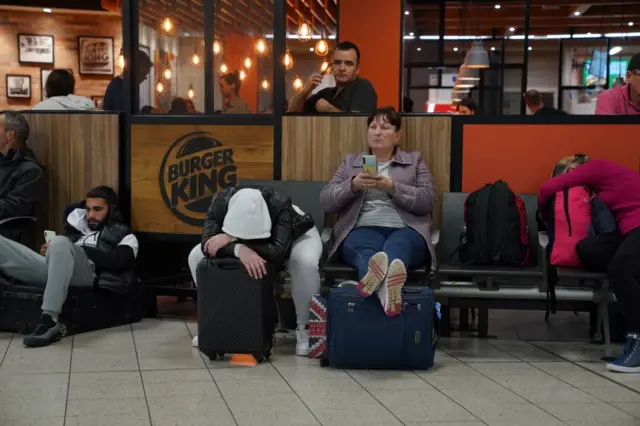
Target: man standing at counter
{"points": [[114, 97], [623, 100], [351, 93]]}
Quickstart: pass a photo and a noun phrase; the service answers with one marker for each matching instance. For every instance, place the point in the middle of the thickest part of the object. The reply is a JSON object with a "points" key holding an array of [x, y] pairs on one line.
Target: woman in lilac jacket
{"points": [[384, 220]]}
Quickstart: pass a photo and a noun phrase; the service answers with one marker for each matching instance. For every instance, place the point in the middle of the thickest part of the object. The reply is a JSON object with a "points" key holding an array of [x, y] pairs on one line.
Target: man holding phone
{"points": [[351, 93], [97, 248]]}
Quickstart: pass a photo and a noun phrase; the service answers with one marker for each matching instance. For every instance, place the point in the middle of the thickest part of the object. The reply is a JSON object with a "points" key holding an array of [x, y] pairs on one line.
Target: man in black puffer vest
{"points": [[97, 248]]}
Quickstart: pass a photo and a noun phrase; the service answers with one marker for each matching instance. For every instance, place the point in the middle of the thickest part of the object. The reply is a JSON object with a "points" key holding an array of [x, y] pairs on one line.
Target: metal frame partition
{"points": [[130, 45], [173, 244]]}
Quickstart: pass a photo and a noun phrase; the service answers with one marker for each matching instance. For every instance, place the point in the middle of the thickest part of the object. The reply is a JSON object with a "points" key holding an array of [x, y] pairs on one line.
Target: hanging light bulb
{"points": [[242, 75], [261, 46], [288, 60], [265, 84], [304, 32], [167, 73], [159, 87], [167, 25], [297, 83], [224, 68], [195, 59], [247, 62], [191, 93], [322, 47], [217, 47], [121, 63], [324, 67]]}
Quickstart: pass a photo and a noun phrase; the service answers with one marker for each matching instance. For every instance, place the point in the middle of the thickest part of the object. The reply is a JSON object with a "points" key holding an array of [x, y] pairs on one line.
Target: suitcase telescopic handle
{"points": [[227, 264]]}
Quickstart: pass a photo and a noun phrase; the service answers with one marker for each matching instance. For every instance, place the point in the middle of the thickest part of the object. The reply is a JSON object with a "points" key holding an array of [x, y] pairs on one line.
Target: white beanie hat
{"points": [[247, 216]]}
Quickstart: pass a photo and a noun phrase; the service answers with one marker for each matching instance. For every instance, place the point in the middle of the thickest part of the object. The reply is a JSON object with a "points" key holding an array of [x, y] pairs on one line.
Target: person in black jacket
{"points": [[22, 181], [260, 227], [536, 105], [97, 248]]}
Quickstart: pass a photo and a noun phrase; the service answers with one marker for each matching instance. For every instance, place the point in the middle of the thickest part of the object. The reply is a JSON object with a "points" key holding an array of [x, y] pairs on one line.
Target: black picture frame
{"points": [[82, 67], [98, 101], [9, 95], [23, 59]]}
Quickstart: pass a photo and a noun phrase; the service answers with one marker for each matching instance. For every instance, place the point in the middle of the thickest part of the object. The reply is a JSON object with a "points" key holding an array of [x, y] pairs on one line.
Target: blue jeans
{"points": [[398, 243]]}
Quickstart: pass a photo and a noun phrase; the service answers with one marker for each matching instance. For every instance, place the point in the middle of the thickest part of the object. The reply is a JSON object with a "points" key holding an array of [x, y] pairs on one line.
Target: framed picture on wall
{"points": [[95, 55], [44, 74], [18, 86], [97, 101], [35, 49]]}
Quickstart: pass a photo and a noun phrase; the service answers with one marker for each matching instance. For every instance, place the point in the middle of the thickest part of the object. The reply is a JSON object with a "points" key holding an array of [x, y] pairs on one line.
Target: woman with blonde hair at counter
{"points": [[384, 219]]}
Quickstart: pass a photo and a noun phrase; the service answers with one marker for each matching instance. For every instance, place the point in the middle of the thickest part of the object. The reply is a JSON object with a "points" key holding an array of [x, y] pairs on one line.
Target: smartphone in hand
{"points": [[370, 164], [48, 236]]}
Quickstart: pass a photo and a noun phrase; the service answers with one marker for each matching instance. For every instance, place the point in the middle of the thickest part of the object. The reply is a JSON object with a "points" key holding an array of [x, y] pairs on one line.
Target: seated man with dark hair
{"points": [[22, 182], [60, 87], [351, 93], [97, 245]]}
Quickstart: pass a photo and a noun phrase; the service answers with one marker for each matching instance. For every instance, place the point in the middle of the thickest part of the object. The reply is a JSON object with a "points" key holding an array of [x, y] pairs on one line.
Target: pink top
{"points": [[616, 101], [617, 186]]}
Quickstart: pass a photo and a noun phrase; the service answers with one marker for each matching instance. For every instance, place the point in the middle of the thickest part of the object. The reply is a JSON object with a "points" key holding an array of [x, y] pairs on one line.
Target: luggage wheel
{"points": [[264, 356], [218, 355]]}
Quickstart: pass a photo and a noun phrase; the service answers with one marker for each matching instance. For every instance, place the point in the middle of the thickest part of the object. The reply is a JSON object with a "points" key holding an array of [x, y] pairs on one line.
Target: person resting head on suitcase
{"points": [[96, 247], [384, 206], [619, 188], [260, 227]]}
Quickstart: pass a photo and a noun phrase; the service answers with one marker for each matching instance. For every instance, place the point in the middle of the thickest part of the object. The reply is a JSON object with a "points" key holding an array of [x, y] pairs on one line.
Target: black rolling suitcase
{"points": [[236, 313], [86, 309]]}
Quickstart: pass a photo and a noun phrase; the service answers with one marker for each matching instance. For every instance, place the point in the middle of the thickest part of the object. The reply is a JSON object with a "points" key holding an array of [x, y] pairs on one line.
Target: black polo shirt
{"points": [[357, 96], [545, 110]]}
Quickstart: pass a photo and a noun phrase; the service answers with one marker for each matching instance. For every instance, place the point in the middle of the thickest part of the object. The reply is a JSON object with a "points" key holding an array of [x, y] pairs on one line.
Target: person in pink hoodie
{"points": [[619, 188]]}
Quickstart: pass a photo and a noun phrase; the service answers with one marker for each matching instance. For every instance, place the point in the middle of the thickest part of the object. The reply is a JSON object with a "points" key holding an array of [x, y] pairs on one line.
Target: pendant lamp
{"points": [[477, 56], [468, 74]]}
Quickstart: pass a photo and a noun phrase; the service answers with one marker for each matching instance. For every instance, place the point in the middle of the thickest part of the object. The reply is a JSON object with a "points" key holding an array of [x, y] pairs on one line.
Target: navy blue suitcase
{"points": [[361, 335]]}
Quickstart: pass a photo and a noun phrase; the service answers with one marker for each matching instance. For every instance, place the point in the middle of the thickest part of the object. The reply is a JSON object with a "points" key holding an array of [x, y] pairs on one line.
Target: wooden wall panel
{"points": [[65, 27], [314, 147], [79, 152], [250, 148]]}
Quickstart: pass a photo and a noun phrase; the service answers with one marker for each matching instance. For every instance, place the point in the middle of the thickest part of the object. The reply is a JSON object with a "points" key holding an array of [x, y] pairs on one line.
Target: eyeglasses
{"points": [[636, 73]]}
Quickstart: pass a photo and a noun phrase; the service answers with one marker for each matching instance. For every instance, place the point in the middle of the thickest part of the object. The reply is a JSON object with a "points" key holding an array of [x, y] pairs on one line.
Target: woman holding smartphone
{"points": [[384, 199]]}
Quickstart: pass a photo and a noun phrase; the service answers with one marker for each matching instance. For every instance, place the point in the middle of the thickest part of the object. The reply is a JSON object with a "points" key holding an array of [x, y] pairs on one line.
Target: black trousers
{"points": [[620, 258]]}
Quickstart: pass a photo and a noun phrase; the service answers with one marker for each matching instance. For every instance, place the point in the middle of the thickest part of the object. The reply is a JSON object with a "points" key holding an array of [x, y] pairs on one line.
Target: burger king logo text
{"points": [[192, 171]]}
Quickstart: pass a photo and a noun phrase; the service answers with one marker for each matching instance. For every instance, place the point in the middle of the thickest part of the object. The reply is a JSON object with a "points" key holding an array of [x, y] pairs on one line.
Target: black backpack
{"points": [[495, 230]]}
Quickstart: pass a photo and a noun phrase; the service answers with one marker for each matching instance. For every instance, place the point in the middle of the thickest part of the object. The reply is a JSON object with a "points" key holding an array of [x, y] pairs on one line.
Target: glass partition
{"points": [[171, 35]]}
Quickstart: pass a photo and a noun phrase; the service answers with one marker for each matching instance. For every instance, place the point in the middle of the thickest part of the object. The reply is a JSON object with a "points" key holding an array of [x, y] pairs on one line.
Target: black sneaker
{"points": [[46, 333]]}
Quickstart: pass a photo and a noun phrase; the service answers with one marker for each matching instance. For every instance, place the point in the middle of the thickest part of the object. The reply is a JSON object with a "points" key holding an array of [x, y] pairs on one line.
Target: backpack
{"points": [[495, 231], [568, 223], [571, 216]]}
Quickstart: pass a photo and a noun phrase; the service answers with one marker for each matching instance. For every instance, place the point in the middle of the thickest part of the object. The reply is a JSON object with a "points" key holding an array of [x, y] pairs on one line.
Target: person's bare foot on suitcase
{"points": [[46, 333], [390, 293], [378, 266]]}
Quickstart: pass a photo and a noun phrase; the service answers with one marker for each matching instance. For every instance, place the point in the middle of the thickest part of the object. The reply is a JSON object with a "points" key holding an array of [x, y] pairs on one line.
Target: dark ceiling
{"points": [[57, 4]]}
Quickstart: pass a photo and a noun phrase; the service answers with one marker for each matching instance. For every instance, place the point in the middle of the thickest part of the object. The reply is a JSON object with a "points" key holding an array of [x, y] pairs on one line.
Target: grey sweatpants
{"points": [[65, 264]]}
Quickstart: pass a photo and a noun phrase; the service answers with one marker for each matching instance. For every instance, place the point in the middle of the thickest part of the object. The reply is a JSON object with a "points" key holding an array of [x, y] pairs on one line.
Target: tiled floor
{"points": [[149, 374]]}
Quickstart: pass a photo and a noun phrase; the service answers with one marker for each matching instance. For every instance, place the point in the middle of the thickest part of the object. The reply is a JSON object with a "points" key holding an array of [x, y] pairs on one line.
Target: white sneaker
{"points": [[194, 342], [302, 341]]}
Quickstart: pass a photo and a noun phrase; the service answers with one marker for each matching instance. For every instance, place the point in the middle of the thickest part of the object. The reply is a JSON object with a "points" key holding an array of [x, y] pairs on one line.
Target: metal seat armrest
{"points": [[326, 241]]}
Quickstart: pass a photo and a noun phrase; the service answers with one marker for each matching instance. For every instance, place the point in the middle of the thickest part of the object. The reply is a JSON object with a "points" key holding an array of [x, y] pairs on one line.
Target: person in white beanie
{"points": [[260, 227]]}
